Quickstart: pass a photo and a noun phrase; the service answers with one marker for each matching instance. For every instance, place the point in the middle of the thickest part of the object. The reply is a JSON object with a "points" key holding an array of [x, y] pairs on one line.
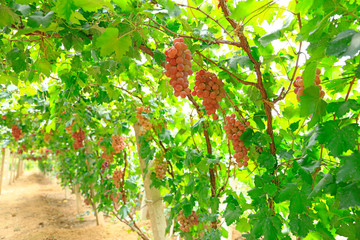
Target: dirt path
{"points": [[35, 208]]}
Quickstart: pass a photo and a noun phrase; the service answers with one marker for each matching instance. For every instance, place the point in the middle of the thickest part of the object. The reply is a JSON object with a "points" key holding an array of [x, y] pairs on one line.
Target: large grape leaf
{"points": [[337, 139], [349, 171]]}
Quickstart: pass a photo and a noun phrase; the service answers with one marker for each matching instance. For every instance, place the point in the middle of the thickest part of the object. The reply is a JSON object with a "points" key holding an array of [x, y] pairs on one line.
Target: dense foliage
{"points": [[274, 109]]}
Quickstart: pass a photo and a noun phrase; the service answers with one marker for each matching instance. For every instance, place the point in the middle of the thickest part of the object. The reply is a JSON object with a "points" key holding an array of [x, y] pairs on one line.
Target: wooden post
{"points": [[78, 199], [98, 215], [153, 197], [144, 210], [12, 178], [18, 168], [2, 168]]}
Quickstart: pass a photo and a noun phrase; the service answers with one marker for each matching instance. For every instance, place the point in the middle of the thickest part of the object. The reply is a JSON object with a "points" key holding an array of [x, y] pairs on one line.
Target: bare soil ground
{"points": [[35, 208]]}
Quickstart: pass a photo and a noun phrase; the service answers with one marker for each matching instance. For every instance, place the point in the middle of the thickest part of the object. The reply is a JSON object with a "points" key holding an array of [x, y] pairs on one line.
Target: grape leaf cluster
{"points": [[16, 132], [79, 137], [187, 222], [178, 67], [145, 124], [299, 85], [211, 89], [234, 129]]}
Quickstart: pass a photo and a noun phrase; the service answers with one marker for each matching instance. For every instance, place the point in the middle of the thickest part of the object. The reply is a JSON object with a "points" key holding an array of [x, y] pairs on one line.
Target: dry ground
{"points": [[35, 208]]}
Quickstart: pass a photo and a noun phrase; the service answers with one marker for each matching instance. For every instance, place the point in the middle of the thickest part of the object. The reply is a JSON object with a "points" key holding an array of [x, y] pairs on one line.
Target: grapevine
{"points": [[211, 89], [187, 222], [178, 67], [234, 129], [299, 85]]}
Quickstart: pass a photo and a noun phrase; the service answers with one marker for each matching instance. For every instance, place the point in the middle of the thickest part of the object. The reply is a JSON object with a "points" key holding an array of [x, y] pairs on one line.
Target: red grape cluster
{"points": [[118, 143], [299, 85], [145, 124], [211, 89], [234, 129], [117, 177], [178, 67], [87, 201], [79, 137], [160, 166], [16, 132], [187, 222], [104, 166]]}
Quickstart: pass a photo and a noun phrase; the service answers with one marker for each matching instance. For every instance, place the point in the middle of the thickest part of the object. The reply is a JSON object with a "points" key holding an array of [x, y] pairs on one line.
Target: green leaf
{"points": [[37, 19], [165, 135], [357, 71], [349, 171], [122, 45], [340, 43], [125, 5], [91, 5], [349, 196], [64, 8], [16, 59], [300, 224], [309, 73], [297, 203], [287, 192], [336, 139], [107, 41], [268, 38], [44, 67], [232, 210], [8, 17], [311, 103], [172, 8], [326, 180], [341, 108], [266, 160], [241, 60]]}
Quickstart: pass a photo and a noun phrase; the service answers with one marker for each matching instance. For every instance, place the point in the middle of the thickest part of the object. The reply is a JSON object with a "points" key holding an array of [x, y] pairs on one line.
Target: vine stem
{"points": [[215, 41], [350, 87], [227, 71], [208, 16], [209, 151]]}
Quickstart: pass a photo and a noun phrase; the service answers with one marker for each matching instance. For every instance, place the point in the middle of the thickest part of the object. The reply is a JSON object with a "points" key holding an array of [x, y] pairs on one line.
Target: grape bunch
{"points": [[16, 132], [87, 201], [234, 129], [178, 67], [104, 166], [187, 222], [160, 166], [211, 89], [117, 177], [299, 85], [3, 117], [79, 137], [118, 143], [68, 129], [145, 124]]}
